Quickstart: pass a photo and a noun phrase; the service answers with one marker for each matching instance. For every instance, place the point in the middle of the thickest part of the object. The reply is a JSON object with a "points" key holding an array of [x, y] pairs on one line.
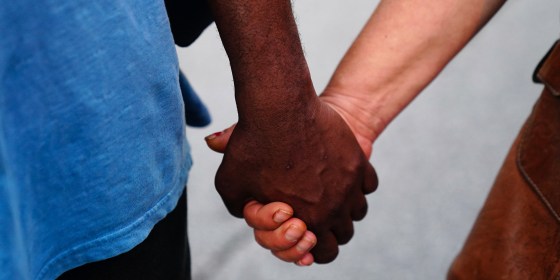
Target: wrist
{"points": [[277, 114], [281, 98], [366, 119], [368, 103]]}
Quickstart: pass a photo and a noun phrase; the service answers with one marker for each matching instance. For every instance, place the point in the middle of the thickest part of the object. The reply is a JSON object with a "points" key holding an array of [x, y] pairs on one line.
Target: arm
{"points": [[288, 146], [402, 48], [269, 69]]}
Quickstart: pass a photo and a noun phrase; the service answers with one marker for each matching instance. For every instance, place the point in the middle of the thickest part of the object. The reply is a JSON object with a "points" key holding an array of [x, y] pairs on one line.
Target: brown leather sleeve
{"points": [[548, 70], [539, 151]]}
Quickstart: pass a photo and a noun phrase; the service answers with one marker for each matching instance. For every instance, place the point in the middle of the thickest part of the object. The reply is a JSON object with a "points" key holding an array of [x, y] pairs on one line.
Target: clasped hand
{"points": [[308, 159]]}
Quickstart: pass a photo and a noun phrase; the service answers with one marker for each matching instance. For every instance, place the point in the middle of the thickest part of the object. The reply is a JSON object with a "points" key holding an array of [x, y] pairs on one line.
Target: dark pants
{"points": [[517, 233], [163, 255]]}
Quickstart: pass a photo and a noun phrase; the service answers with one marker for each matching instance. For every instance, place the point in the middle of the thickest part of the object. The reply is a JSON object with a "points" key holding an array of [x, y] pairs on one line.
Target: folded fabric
{"points": [[196, 113]]}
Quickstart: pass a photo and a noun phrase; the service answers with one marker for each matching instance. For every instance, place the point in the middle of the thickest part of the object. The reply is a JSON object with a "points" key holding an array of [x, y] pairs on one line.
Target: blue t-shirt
{"points": [[92, 138]]}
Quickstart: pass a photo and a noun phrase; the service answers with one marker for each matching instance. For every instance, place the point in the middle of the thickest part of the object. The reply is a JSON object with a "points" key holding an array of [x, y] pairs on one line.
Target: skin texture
{"points": [[276, 230], [288, 145], [402, 48]]}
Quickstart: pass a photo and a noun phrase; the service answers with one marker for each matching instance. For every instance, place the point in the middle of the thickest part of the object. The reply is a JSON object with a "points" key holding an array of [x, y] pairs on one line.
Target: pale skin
{"points": [[404, 45], [276, 230]]}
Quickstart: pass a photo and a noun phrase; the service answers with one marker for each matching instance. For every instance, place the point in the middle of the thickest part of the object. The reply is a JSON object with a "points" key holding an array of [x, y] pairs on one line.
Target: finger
{"points": [[370, 179], [218, 140], [266, 217], [359, 208], [326, 249], [306, 260], [299, 252], [282, 238], [344, 231]]}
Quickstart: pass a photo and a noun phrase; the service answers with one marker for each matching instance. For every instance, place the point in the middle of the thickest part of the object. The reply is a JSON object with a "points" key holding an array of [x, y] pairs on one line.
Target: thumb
{"points": [[218, 141]]}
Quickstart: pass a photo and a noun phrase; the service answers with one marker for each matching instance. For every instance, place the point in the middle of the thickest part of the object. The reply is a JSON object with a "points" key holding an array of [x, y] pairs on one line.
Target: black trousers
{"points": [[163, 255]]}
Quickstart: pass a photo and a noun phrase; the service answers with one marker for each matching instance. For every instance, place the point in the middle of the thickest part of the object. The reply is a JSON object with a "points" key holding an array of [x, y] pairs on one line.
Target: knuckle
{"points": [[360, 212], [325, 255], [355, 164], [269, 241], [345, 236], [260, 240], [316, 221], [283, 256]]}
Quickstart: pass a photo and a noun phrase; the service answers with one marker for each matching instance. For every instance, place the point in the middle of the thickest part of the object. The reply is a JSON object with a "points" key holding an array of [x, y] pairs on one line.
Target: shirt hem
{"points": [[121, 240]]}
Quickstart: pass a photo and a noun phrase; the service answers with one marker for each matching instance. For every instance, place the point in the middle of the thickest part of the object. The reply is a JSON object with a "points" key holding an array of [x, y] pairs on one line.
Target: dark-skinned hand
{"points": [[311, 162]]}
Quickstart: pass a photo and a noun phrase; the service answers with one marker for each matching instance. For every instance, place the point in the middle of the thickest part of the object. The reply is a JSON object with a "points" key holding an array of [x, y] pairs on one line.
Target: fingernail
{"points": [[306, 243], [281, 216], [213, 135], [293, 233]]}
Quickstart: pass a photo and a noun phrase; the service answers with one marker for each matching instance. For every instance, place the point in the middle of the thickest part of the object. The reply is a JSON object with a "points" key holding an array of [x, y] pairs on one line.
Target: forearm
{"points": [[270, 73], [287, 146], [402, 48]]}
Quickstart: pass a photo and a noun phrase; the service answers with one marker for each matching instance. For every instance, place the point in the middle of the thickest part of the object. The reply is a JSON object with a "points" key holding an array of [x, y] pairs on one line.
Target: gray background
{"points": [[436, 161]]}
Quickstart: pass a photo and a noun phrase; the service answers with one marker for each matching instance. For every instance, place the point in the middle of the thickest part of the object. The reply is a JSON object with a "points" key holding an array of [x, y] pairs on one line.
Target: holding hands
{"points": [[312, 153], [311, 162], [318, 168], [276, 230]]}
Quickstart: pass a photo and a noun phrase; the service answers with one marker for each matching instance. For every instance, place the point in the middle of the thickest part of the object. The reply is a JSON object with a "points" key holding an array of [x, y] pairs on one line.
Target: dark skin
{"points": [[288, 145]]}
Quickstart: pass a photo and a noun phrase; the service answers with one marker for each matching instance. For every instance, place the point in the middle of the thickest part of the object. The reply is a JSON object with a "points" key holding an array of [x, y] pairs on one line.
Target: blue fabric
{"points": [[92, 139]]}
